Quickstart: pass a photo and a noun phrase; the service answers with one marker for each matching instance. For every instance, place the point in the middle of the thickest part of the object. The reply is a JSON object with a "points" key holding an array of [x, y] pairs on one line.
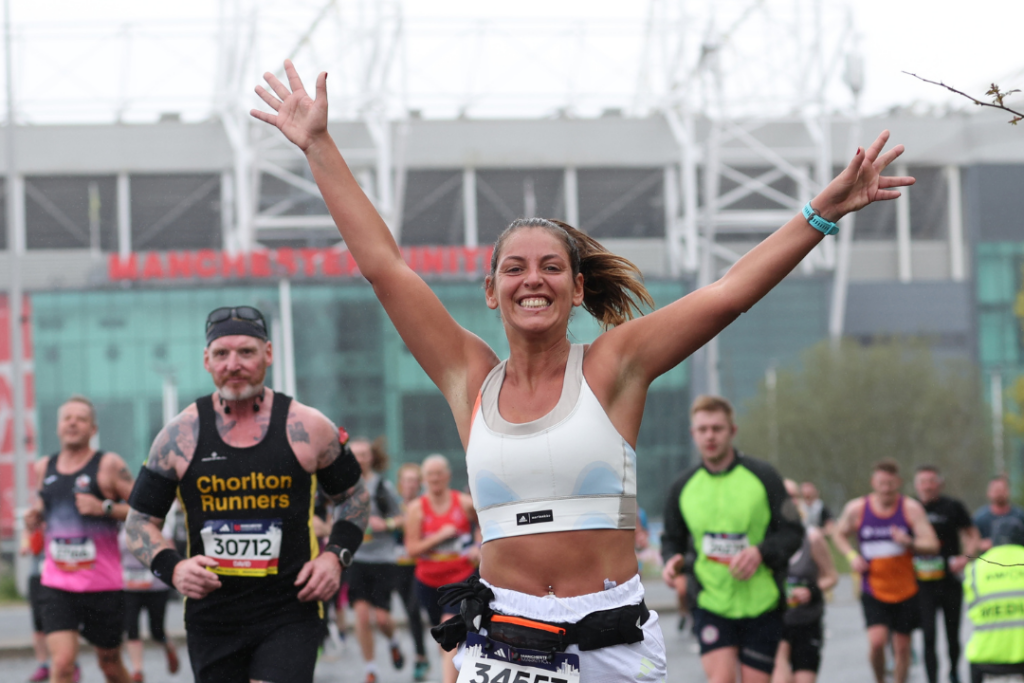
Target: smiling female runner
{"points": [[550, 432]]}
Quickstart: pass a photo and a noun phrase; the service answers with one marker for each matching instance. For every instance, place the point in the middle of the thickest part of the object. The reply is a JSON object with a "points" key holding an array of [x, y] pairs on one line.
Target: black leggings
{"points": [[947, 595], [155, 603], [405, 584]]}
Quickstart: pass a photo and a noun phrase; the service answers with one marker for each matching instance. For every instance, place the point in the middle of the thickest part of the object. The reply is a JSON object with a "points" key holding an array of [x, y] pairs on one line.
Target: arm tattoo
{"points": [[178, 438], [329, 454], [354, 505], [297, 432], [143, 536], [125, 475]]}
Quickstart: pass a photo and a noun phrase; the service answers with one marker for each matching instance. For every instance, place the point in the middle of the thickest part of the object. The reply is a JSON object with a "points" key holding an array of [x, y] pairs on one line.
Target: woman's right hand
{"points": [[301, 118]]}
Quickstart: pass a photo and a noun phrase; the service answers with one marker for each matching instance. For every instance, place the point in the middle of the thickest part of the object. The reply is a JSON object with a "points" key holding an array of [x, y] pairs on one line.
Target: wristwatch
{"points": [[344, 555], [108, 508]]}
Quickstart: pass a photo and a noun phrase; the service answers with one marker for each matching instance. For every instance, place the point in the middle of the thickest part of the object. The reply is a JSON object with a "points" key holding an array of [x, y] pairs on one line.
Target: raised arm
{"points": [[455, 359], [650, 345]]}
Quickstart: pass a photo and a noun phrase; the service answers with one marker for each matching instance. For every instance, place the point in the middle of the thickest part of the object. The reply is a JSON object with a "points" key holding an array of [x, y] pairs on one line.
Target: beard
{"points": [[244, 394]]}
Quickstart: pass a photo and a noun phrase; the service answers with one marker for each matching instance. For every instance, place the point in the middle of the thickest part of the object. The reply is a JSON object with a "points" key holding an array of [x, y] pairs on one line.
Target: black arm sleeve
{"points": [[340, 475], [675, 539], [152, 494], [785, 532]]}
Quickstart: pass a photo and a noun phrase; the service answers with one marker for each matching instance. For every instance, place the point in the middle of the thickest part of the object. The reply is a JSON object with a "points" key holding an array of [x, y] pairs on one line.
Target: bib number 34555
{"points": [[488, 661]]}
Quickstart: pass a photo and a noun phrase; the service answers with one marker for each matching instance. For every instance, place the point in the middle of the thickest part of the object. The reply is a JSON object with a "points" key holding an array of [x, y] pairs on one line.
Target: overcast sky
{"points": [[84, 60]]}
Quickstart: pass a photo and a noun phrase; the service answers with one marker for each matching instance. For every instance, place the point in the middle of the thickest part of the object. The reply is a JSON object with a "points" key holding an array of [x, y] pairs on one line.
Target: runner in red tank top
{"points": [[439, 534]]}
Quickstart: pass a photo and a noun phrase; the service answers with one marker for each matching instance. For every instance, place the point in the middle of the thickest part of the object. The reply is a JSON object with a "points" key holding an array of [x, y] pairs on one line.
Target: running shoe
{"points": [[43, 674], [370, 677], [172, 657], [137, 677], [396, 657], [419, 671]]}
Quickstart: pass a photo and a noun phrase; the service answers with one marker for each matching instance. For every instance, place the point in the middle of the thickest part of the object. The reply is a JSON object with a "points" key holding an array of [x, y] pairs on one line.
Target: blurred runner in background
{"points": [[940, 575]]}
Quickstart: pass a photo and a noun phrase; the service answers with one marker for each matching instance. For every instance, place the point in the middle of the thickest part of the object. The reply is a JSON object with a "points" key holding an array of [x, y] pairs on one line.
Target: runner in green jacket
{"points": [[743, 528]]}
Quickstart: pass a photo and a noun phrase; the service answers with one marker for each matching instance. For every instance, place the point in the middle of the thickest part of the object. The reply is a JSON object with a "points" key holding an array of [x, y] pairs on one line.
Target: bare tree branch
{"points": [[996, 94]]}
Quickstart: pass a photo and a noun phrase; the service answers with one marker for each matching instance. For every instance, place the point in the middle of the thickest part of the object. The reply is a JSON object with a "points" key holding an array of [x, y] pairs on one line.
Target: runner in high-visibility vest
{"points": [[994, 593]]}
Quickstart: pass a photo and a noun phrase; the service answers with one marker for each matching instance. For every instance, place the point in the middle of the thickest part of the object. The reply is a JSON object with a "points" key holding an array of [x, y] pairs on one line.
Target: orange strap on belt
{"points": [[529, 623]]}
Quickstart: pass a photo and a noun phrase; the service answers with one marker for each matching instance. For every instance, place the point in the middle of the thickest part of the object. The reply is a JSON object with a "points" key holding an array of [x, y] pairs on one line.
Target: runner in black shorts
{"points": [[939, 576], [734, 512], [80, 490], [244, 463], [811, 574]]}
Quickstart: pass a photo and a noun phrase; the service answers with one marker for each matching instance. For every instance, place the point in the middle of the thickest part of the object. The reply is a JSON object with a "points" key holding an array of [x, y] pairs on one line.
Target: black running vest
{"points": [[251, 509]]}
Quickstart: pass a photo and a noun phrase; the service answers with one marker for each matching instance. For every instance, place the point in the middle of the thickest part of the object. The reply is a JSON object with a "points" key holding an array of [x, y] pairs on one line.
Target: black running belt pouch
{"points": [[618, 626]]}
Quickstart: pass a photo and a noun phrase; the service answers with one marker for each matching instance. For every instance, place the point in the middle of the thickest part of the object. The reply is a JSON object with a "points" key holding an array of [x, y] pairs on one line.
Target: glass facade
{"points": [[1000, 296], [118, 348]]}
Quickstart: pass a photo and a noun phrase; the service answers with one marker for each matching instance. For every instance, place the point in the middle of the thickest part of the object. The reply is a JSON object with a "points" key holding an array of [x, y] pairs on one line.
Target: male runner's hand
{"points": [[901, 537], [745, 563], [378, 524], [801, 595], [88, 505], [33, 519], [322, 577], [193, 580], [673, 567], [957, 563]]}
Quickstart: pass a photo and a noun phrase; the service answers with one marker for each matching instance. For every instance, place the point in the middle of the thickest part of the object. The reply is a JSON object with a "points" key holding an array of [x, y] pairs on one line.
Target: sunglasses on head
{"points": [[247, 313]]}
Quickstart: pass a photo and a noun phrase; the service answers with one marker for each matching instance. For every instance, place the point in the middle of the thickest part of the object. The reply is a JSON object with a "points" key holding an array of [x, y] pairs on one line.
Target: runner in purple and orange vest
{"points": [[889, 529]]}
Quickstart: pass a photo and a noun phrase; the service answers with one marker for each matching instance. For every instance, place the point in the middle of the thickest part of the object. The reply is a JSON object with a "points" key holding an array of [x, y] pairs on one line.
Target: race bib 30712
{"points": [[249, 547]]}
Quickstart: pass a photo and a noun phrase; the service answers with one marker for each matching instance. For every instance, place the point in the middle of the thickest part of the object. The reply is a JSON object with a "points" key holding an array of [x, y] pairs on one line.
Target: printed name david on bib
{"points": [[73, 554], [723, 547], [243, 547]]}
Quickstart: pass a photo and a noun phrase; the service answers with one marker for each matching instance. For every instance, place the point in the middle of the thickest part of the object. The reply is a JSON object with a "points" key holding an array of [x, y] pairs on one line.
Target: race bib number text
{"points": [[488, 661], [248, 547], [137, 578], [930, 568], [723, 547], [73, 554]]}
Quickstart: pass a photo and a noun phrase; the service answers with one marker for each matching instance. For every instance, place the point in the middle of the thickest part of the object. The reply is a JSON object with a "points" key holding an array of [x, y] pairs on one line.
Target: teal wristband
{"points": [[817, 222]]}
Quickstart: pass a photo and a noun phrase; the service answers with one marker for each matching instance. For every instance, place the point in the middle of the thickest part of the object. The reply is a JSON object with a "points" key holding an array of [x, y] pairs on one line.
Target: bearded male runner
{"points": [[245, 463]]}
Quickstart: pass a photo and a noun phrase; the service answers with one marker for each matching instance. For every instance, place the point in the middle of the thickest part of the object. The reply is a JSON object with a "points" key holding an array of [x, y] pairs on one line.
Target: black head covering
{"points": [[241, 320]]}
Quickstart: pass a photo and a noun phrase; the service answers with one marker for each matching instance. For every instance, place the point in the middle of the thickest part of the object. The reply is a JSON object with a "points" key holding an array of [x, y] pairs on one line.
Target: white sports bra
{"points": [[567, 470]]}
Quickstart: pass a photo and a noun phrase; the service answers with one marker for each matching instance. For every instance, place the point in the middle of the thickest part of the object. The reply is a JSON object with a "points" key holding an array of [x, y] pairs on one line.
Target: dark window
{"points": [[180, 211], [71, 212], [432, 208], [505, 195], [622, 202], [428, 425], [929, 203]]}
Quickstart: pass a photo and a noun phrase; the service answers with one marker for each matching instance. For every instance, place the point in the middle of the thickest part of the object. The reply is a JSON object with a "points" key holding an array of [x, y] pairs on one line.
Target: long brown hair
{"points": [[613, 288]]}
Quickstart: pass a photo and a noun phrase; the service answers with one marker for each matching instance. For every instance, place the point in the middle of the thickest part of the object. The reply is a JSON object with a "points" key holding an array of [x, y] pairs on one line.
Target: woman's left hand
{"points": [[862, 182]]}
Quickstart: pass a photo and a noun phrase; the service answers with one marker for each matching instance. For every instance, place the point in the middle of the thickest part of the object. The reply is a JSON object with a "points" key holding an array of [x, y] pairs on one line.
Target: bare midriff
{"points": [[569, 563]]}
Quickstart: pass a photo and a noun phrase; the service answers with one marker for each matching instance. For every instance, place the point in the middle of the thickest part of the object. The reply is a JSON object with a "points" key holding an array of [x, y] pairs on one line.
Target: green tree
{"points": [[842, 409]]}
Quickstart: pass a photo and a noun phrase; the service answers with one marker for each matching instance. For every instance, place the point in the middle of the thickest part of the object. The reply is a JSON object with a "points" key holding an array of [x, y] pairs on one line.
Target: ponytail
{"points": [[613, 289]]}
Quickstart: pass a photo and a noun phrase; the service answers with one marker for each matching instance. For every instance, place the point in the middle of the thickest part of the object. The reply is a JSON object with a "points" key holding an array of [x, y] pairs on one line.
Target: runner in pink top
{"points": [[80, 493]]}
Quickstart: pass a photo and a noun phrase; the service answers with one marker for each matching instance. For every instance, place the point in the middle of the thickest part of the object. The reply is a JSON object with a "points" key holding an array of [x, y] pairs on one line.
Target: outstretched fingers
{"points": [[278, 87], [876, 147], [293, 77], [271, 101], [887, 181]]}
